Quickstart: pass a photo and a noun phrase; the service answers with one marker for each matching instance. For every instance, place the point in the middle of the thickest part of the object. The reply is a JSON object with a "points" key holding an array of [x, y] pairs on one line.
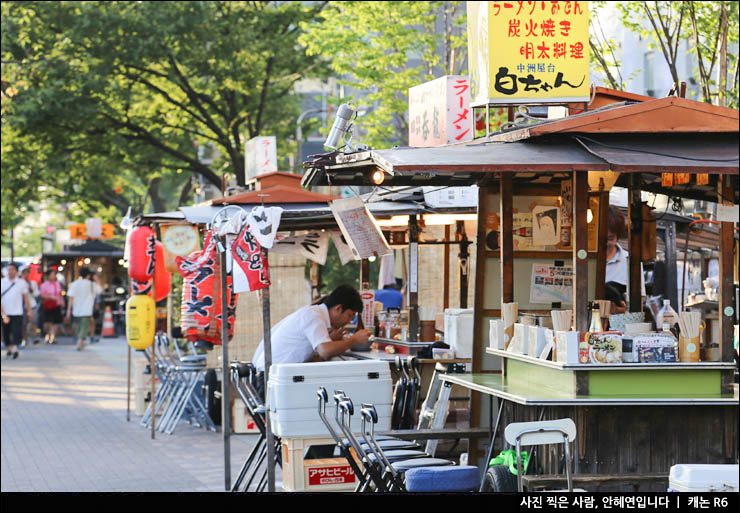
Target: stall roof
{"points": [[277, 194], [88, 248], [664, 135]]}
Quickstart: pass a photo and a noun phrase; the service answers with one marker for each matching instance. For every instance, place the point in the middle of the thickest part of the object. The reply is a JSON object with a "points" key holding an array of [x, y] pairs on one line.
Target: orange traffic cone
{"points": [[108, 329]]}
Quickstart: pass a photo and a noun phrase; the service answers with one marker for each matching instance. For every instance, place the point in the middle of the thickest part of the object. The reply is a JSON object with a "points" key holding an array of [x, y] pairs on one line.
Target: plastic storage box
{"points": [[704, 478], [293, 401], [459, 331]]}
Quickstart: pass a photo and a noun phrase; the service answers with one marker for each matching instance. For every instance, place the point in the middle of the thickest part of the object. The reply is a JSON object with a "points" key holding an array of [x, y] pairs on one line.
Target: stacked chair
{"points": [[386, 464], [242, 375], [181, 378]]}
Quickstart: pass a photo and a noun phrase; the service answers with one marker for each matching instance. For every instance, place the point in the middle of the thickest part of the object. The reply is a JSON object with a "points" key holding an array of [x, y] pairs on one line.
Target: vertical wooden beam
{"points": [[506, 214], [580, 249], [635, 237], [446, 274], [726, 273], [463, 263], [603, 221]]}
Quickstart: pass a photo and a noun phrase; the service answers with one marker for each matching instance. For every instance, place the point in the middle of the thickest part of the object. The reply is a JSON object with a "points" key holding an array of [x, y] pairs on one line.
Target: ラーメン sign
{"points": [[528, 52]]}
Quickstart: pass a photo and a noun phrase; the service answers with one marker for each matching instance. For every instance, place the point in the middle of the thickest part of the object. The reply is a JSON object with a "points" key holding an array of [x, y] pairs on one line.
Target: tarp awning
{"points": [[658, 153]]}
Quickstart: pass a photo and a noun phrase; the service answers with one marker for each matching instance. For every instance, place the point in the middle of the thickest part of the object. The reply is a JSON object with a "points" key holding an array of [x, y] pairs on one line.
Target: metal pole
{"points": [[268, 362], [413, 279], [225, 386], [154, 345]]}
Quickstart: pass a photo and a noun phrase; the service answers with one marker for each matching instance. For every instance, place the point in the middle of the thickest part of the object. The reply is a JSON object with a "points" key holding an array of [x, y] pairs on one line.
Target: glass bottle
{"points": [[595, 325]]}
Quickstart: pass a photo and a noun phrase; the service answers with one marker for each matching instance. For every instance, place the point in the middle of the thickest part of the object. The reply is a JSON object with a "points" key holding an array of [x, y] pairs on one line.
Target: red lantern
{"points": [[141, 260], [163, 279]]}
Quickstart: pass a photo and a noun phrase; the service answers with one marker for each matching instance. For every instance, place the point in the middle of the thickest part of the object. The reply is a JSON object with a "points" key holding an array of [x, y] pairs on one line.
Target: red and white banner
{"points": [[250, 268]]}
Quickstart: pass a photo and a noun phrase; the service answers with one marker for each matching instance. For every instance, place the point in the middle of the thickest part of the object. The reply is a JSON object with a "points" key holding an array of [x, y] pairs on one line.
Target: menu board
{"points": [[551, 284], [359, 228]]}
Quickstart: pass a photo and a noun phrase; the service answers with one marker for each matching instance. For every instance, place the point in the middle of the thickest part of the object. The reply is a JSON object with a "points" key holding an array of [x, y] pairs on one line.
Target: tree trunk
{"points": [[722, 81], [158, 204]]}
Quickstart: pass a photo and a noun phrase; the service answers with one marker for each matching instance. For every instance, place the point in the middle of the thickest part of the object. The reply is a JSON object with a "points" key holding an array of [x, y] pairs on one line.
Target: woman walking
{"points": [[51, 305]]}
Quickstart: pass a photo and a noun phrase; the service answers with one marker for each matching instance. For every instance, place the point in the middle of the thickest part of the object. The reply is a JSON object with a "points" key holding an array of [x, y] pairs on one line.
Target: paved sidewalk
{"points": [[64, 429]]}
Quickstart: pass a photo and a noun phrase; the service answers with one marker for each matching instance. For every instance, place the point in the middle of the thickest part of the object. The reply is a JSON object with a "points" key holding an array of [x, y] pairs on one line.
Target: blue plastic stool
{"points": [[443, 479]]}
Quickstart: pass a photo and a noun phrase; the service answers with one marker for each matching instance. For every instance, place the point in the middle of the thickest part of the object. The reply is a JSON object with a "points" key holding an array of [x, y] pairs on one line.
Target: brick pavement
{"points": [[64, 429]]}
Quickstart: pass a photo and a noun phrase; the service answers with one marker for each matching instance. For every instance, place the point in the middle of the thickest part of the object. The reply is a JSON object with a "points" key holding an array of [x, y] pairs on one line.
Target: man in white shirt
{"points": [[314, 332], [14, 296], [82, 293]]}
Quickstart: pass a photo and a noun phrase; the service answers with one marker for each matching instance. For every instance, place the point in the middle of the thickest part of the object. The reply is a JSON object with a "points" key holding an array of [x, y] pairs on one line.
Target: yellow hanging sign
{"points": [[528, 52]]}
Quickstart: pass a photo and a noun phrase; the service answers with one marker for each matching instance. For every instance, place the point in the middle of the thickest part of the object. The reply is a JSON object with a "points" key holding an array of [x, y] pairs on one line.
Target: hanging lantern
{"points": [[141, 259], [162, 279], [140, 321]]}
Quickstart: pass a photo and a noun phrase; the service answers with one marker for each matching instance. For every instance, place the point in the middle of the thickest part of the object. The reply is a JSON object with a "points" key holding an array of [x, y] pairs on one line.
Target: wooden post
{"points": [[463, 264], [446, 274], [603, 221], [580, 250], [128, 385], [635, 237], [506, 214], [413, 279], [726, 273]]}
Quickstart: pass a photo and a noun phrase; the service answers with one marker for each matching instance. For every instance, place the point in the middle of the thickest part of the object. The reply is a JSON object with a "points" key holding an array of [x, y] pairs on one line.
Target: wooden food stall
{"points": [[634, 421]]}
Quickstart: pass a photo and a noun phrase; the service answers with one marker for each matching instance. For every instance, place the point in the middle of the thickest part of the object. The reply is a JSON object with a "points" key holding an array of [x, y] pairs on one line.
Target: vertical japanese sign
{"points": [[260, 155], [528, 52], [439, 112]]}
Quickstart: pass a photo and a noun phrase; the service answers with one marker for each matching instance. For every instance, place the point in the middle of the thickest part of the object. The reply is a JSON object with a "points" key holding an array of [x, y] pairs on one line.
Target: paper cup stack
{"points": [[509, 313], [561, 319]]}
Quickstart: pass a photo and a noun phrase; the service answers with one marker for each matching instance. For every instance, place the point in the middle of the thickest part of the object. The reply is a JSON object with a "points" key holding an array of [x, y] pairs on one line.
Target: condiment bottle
{"points": [[595, 326], [667, 315]]}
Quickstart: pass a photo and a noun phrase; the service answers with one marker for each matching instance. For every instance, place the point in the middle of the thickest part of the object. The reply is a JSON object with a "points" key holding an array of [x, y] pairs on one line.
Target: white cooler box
{"points": [[459, 331], [704, 478], [294, 404]]}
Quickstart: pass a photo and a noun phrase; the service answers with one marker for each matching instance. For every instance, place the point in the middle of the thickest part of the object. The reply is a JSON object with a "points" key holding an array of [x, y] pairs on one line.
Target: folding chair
{"points": [[541, 433], [241, 375]]}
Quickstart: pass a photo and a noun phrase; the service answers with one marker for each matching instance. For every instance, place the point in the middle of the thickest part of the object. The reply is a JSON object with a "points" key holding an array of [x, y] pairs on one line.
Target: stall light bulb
{"points": [[371, 258], [87, 261], [60, 268], [63, 262], [378, 177], [589, 216], [120, 290], [120, 261], [79, 263]]}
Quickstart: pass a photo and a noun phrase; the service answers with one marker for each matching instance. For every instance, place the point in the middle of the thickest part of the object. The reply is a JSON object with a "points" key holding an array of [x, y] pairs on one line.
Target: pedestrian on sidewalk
{"points": [[51, 305], [81, 294], [29, 321], [14, 296]]}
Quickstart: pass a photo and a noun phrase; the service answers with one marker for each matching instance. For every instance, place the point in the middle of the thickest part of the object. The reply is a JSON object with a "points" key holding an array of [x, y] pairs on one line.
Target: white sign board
{"points": [[437, 197], [551, 284], [260, 156], [359, 228], [312, 245], [439, 112]]}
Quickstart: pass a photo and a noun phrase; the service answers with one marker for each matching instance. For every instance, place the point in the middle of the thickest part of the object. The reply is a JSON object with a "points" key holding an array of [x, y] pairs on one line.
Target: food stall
{"points": [[634, 420]]}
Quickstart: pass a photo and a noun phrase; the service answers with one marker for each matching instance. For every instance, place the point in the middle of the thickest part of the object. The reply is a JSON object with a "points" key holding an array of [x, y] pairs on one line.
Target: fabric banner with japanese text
{"points": [[312, 245]]}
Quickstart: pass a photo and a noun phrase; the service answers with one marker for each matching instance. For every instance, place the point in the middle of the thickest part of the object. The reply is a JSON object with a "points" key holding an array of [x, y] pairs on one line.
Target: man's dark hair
{"points": [[84, 272], [49, 272], [346, 296], [617, 224], [15, 266]]}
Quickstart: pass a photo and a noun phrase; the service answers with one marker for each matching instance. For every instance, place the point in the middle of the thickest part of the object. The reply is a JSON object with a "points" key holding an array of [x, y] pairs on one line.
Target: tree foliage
{"points": [[102, 102], [381, 49]]}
